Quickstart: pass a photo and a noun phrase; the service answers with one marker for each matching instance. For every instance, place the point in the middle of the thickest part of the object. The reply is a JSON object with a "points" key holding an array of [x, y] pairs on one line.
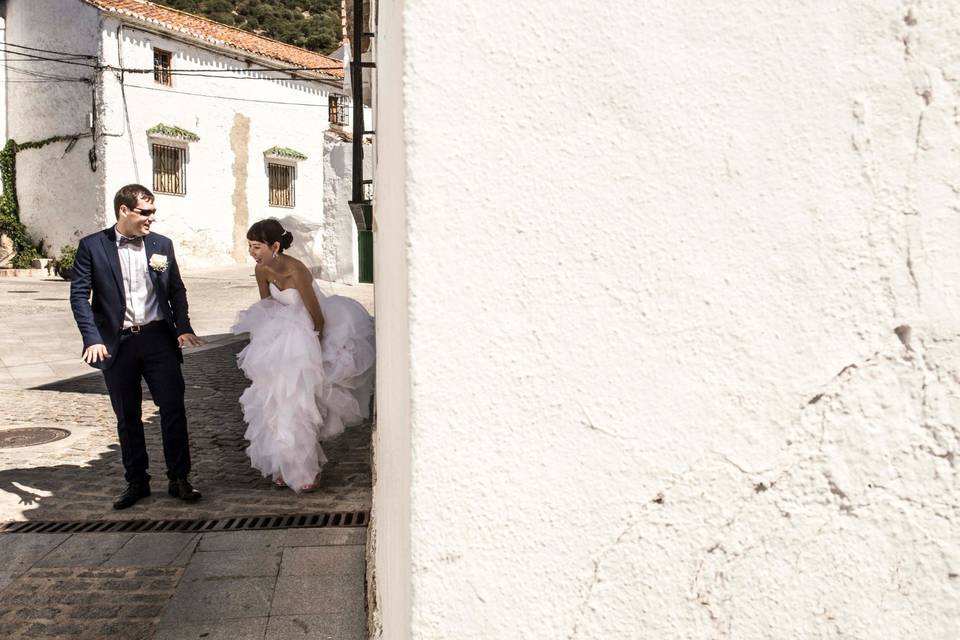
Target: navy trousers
{"points": [[151, 355]]}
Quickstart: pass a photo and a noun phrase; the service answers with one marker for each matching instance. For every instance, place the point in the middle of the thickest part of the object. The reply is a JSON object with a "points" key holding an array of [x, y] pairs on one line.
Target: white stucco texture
{"points": [[340, 260], [684, 349], [60, 197]]}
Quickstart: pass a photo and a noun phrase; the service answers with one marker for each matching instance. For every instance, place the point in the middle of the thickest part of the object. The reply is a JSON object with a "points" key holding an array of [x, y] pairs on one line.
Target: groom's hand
{"points": [[189, 340], [95, 353]]}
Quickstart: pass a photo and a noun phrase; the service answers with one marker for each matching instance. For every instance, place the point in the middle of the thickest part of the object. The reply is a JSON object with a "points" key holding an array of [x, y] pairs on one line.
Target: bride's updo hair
{"points": [[269, 231]]}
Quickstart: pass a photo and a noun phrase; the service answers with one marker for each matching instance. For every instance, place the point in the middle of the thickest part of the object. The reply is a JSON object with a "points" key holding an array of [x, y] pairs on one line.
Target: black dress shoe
{"points": [[130, 495], [181, 488]]}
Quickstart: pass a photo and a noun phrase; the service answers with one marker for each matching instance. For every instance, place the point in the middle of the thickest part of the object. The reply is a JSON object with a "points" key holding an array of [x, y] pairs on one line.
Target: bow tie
{"points": [[136, 242]]}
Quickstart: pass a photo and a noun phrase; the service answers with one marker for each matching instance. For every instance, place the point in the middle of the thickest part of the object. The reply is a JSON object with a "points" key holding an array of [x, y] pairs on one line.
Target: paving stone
{"points": [[150, 549], [323, 561], [230, 540], [123, 630], [87, 603], [242, 629], [29, 374], [90, 549], [233, 564], [18, 552], [315, 595], [183, 558], [219, 599], [352, 626], [133, 611], [324, 537], [17, 358]]}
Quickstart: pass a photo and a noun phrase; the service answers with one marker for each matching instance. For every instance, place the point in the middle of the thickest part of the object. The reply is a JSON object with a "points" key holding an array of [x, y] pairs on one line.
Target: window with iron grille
{"points": [[161, 67], [282, 179], [338, 110], [169, 169]]}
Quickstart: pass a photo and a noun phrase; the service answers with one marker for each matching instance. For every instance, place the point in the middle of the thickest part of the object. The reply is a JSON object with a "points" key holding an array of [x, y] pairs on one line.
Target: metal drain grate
{"points": [[236, 523]]}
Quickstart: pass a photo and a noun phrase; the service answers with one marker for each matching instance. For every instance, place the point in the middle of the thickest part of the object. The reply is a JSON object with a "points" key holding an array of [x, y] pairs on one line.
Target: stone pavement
{"points": [[239, 585], [43, 384]]}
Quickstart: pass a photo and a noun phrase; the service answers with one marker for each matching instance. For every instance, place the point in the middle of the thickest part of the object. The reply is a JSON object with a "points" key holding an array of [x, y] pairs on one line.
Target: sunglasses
{"points": [[146, 213]]}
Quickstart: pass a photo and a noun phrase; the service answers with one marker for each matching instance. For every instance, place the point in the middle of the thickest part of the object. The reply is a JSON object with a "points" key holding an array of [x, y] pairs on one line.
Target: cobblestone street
{"points": [[75, 478], [58, 585]]}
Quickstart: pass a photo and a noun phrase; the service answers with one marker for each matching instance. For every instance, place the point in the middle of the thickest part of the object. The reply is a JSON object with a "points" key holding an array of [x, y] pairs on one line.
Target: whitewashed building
{"points": [[225, 126]]}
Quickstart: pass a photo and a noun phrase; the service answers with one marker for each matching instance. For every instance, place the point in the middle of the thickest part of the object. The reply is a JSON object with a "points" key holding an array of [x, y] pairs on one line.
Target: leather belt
{"points": [[138, 328]]}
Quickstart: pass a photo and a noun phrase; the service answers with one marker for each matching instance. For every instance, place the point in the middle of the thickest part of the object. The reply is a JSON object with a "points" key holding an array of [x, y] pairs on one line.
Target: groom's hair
{"points": [[129, 195]]}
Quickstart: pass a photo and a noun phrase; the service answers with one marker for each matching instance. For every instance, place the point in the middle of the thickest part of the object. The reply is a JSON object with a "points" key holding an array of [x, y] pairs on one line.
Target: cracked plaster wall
{"points": [[683, 346]]}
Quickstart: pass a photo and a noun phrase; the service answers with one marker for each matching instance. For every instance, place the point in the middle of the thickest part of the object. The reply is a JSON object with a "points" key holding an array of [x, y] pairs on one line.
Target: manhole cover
{"points": [[30, 436]]}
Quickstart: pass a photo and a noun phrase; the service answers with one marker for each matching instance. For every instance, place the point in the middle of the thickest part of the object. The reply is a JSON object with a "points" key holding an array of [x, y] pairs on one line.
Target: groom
{"points": [[133, 327]]}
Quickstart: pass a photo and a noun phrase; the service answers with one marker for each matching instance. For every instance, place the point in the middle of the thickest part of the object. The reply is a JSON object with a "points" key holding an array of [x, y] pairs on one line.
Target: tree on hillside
{"points": [[311, 24]]}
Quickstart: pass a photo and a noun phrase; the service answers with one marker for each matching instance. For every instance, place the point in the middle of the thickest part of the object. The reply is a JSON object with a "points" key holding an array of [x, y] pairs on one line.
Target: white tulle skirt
{"points": [[304, 390]]}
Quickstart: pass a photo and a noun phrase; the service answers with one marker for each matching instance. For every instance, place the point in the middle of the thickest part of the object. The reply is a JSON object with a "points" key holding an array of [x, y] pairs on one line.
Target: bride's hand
{"points": [[189, 340]]}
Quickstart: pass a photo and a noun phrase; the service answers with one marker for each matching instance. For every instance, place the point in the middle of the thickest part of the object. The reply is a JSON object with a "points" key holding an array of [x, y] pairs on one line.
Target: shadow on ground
{"points": [[83, 486]]}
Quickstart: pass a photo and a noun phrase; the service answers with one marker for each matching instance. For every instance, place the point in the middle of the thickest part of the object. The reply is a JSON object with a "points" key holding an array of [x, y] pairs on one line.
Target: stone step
{"points": [[23, 273]]}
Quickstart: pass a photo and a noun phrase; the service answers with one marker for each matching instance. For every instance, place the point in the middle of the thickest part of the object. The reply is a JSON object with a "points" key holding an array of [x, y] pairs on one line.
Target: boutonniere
{"points": [[158, 262]]}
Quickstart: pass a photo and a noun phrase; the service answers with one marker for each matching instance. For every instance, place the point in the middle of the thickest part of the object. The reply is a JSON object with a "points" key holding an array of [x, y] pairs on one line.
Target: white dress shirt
{"points": [[137, 286]]}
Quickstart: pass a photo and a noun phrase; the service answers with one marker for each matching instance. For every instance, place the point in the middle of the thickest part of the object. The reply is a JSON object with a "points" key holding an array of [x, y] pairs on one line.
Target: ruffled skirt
{"points": [[304, 390]]}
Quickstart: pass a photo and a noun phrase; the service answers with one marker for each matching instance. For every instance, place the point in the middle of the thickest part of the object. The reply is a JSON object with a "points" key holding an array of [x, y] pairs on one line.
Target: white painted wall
{"points": [[340, 261], [233, 118], [638, 373], [60, 197], [3, 85], [390, 589]]}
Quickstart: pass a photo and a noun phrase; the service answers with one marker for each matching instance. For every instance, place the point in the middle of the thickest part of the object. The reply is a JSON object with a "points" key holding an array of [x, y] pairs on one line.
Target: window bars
{"points": [[282, 179], [169, 169], [338, 110], [161, 67]]}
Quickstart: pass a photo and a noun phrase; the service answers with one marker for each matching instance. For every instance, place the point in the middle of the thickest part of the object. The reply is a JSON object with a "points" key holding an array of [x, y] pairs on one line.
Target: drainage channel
{"points": [[236, 523]]}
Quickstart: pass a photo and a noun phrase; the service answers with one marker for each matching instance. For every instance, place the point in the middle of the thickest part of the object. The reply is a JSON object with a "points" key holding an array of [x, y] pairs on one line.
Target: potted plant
{"points": [[62, 265]]}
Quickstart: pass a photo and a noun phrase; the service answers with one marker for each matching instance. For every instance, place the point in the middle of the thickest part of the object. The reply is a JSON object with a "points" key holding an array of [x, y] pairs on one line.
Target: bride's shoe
{"points": [[280, 483], [313, 486]]}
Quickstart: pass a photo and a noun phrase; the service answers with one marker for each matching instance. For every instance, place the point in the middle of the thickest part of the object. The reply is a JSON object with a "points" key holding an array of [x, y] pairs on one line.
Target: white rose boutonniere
{"points": [[158, 262]]}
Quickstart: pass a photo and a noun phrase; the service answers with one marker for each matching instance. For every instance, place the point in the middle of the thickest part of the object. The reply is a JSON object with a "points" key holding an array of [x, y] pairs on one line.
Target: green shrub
{"points": [[10, 224], [64, 261]]}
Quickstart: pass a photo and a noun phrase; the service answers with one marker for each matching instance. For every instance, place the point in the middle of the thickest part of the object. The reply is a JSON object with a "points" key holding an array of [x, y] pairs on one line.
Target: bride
{"points": [[310, 361]]}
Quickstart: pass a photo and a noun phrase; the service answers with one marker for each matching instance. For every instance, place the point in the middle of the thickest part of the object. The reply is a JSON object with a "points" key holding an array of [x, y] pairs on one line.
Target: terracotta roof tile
{"points": [[219, 34]]}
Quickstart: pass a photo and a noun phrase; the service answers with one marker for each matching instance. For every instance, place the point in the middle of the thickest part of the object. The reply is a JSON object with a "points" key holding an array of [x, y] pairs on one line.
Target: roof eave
{"points": [[219, 46]]}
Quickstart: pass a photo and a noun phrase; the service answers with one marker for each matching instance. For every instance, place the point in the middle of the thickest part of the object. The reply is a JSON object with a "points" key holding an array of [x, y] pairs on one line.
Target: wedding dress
{"points": [[303, 390]]}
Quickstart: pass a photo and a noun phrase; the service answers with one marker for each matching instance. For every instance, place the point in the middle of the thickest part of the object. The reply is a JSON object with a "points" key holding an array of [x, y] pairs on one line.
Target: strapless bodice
{"points": [[284, 296]]}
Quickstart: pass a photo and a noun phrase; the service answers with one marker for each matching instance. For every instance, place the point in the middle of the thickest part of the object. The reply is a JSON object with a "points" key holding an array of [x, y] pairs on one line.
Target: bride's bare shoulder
{"points": [[300, 270]]}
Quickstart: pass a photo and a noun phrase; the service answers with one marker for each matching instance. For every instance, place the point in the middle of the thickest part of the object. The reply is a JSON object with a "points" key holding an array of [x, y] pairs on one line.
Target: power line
{"points": [[63, 53], [58, 61], [40, 81], [76, 59], [202, 75], [207, 95], [247, 70], [40, 74], [31, 57], [181, 73]]}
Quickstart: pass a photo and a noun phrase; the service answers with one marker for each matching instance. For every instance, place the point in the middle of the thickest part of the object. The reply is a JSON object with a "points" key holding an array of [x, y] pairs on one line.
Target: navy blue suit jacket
{"points": [[96, 271]]}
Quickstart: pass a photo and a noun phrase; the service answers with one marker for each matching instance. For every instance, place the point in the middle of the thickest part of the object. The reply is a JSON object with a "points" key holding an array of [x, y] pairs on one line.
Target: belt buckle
{"points": [[135, 328]]}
